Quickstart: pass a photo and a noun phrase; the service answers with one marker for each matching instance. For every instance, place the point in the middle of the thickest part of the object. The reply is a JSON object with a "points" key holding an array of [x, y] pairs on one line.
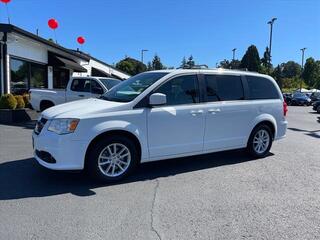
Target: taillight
{"points": [[285, 108]]}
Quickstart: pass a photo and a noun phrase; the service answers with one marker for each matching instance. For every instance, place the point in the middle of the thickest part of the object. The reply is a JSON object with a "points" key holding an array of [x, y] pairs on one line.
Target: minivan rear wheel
{"points": [[112, 159], [260, 141]]}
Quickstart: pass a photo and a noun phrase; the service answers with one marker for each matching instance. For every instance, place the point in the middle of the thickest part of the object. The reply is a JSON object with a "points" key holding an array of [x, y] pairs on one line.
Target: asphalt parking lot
{"points": [[216, 196]]}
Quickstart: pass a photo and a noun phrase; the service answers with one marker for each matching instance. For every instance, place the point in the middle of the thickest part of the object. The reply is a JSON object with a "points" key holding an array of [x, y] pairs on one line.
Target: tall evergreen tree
{"points": [[183, 62], [266, 59], [149, 66], [190, 62], [156, 63], [251, 59]]}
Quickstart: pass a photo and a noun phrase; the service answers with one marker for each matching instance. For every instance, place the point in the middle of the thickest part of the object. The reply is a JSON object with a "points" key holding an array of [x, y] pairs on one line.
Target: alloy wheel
{"points": [[261, 141], [114, 160]]}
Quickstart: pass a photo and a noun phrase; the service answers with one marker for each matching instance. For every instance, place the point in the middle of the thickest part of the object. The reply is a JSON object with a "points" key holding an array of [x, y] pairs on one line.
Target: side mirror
{"points": [[96, 90], [157, 99]]}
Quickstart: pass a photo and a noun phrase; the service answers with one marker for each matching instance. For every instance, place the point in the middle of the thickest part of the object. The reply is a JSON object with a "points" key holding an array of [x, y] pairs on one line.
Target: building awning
{"points": [[100, 73], [59, 61]]}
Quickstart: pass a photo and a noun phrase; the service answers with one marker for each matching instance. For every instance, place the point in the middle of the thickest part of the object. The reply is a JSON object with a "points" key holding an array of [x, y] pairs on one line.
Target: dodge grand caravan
{"points": [[161, 115]]}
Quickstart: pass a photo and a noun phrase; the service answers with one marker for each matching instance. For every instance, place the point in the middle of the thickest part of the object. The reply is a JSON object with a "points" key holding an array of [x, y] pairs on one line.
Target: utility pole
{"points": [[142, 53], [270, 40], [302, 63]]}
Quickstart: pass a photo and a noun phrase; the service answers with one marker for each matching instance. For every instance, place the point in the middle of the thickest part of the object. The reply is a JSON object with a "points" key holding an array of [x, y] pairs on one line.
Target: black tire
{"points": [[318, 109], [250, 145], [92, 161]]}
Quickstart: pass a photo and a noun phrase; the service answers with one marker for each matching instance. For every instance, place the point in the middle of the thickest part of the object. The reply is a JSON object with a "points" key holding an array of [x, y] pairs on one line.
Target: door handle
{"points": [[214, 110], [196, 112], [80, 95]]}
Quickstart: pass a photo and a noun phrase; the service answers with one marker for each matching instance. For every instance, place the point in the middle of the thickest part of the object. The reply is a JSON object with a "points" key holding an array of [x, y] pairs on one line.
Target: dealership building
{"points": [[29, 61]]}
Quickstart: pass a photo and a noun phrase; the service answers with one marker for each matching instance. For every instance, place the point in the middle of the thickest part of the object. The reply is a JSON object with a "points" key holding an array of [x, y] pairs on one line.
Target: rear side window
{"points": [[261, 88], [224, 88], [81, 85]]}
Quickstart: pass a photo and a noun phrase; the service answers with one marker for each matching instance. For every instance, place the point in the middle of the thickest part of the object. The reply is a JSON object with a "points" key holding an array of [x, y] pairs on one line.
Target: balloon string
{"points": [[8, 13], [55, 36]]}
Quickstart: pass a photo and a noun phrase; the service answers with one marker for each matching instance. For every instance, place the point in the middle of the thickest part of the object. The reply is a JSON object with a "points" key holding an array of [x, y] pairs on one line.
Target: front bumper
{"points": [[65, 153]]}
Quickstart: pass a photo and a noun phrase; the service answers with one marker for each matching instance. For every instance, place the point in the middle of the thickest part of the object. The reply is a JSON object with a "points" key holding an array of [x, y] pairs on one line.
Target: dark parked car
{"points": [[300, 99], [287, 97], [315, 96], [316, 106]]}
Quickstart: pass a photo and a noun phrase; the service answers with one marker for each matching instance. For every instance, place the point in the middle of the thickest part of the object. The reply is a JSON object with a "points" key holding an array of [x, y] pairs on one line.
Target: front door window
{"points": [[181, 90]]}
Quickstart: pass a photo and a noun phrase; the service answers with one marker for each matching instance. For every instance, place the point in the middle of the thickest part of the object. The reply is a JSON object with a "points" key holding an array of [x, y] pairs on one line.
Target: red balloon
{"points": [[81, 40], [5, 1], [53, 23]]}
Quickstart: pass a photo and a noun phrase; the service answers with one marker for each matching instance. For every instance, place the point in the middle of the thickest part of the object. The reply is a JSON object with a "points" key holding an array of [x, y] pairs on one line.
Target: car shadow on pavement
{"points": [[25, 178], [313, 133]]}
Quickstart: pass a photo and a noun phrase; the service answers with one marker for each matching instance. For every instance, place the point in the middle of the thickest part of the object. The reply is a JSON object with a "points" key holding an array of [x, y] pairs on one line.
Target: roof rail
{"points": [[187, 66]]}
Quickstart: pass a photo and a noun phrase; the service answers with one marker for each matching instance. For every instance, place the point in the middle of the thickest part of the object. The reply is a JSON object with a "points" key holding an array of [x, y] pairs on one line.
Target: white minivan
{"points": [[161, 115]]}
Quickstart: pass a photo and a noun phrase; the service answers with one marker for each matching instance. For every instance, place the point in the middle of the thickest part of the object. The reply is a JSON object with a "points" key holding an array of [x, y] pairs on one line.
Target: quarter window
{"points": [[81, 85], [224, 88], [181, 90], [261, 88]]}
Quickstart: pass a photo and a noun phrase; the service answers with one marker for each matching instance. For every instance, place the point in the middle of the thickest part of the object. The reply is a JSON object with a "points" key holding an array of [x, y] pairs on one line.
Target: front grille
{"points": [[39, 126], [45, 156]]}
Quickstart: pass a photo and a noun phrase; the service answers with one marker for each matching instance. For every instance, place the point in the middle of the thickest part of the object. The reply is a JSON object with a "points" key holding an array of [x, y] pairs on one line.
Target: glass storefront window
{"points": [[19, 76], [38, 76], [61, 77], [26, 75]]}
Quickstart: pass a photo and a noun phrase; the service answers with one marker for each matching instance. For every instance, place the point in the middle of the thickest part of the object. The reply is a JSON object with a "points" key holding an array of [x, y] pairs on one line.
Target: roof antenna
{"points": [[37, 32]]}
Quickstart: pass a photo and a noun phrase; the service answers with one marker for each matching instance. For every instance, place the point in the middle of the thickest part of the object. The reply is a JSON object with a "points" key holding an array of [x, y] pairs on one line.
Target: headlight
{"points": [[63, 125]]}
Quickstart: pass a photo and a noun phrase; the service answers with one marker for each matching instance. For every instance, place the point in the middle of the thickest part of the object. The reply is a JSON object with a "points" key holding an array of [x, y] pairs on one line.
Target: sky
{"points": [[207, 29]]}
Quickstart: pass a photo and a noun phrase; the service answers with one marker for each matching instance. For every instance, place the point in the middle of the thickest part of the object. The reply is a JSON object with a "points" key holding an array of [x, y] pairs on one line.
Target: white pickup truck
{"points": [[77, 88]]}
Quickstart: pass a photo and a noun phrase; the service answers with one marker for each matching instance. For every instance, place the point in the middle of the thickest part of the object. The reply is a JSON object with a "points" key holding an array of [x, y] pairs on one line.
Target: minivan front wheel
{"points": [[112, 159], [260, 141]]}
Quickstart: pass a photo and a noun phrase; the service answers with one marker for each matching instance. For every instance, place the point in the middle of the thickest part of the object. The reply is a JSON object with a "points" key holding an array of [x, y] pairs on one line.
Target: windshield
{"points": [[129, 89], [299, 95], [109, 82]]}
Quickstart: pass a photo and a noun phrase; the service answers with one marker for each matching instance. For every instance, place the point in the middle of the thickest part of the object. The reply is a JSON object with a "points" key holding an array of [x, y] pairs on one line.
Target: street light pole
{"points": [[270, 41], [142, 53], [302, 63]]}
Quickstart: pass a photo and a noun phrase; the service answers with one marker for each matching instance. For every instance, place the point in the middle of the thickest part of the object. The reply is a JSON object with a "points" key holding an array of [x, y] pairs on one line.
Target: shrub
{"points": [[8, 101], [20, 102], [26, 98]]}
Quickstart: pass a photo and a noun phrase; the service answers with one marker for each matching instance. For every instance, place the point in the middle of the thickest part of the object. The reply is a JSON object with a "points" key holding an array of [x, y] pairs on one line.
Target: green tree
{"points": [[156, 63], [149, 66], [277, 75], [311, 73], [131, 66], [266, 59], [251, 59], [225, 64], [190, 62], [291, 69], [183, 62], [235, 64]]}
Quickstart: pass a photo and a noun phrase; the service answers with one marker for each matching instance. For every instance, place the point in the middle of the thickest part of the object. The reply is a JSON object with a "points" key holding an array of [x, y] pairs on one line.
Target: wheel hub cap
{"points": [[114, 160], [261, 141]]}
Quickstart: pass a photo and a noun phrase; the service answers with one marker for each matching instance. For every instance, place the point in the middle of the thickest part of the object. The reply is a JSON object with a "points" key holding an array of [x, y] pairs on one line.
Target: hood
{"points": [[83, 108]]}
